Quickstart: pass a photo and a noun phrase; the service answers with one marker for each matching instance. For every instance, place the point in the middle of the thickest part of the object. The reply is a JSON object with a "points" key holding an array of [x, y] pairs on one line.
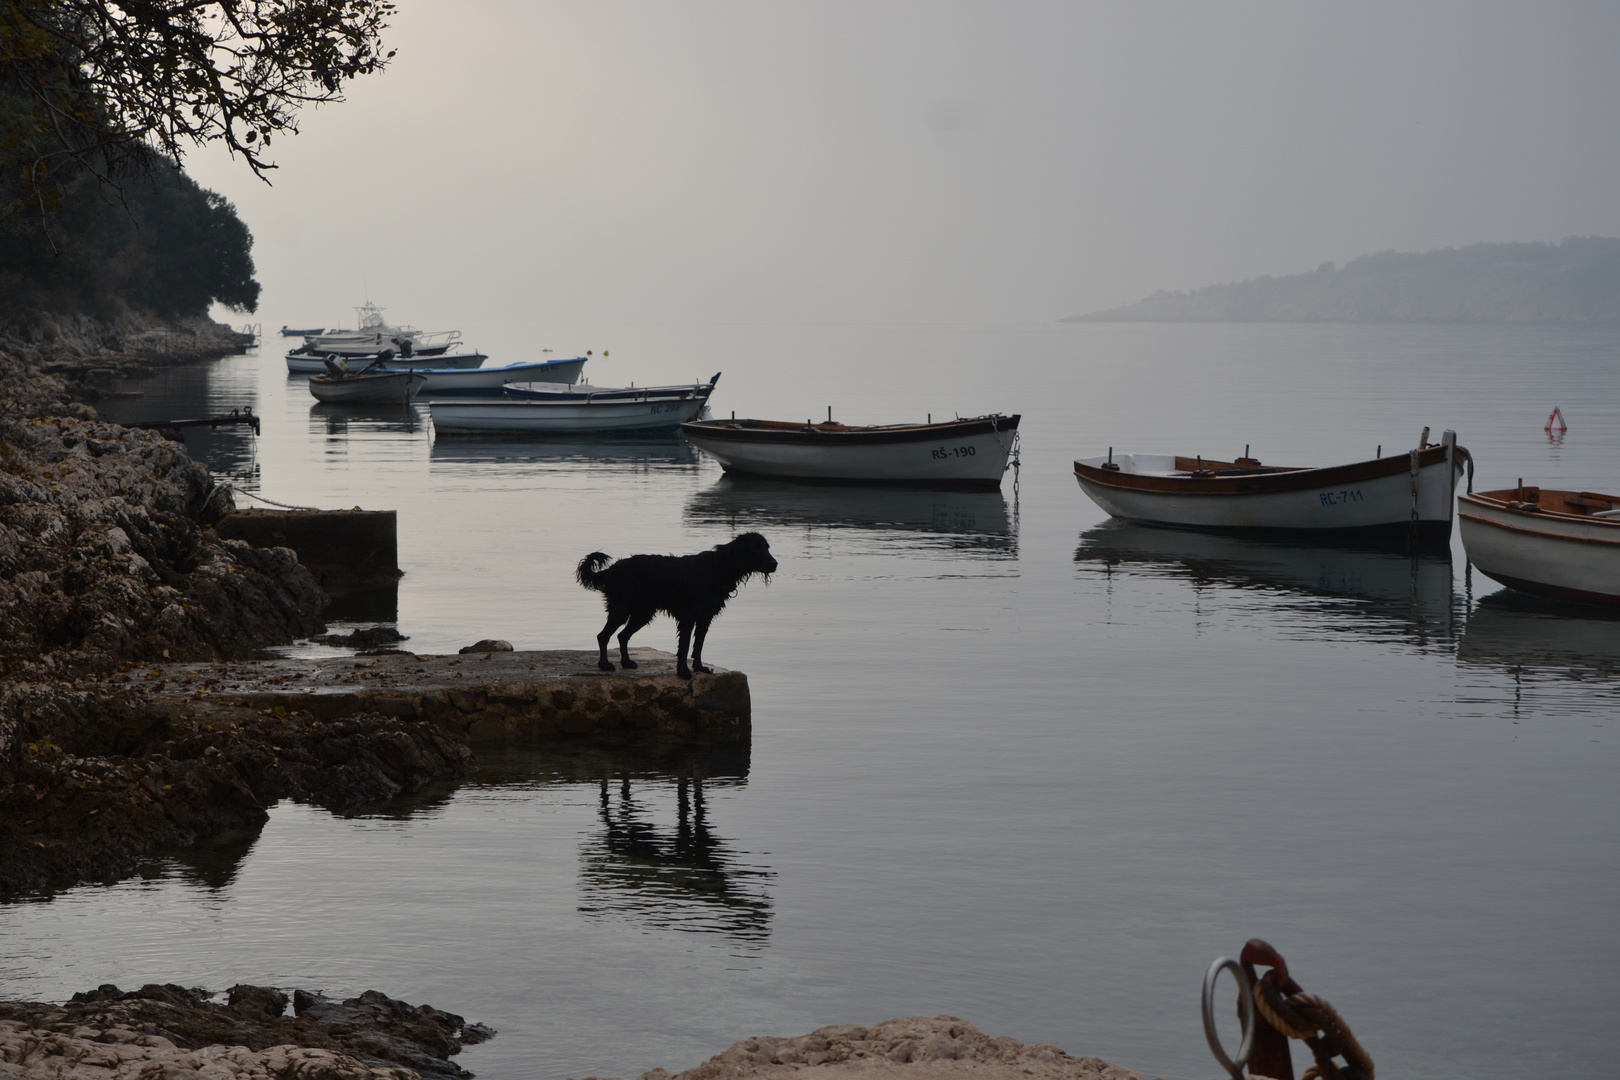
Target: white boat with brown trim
{"points": [[964, 454], [1560, 544], [1387, 497]]}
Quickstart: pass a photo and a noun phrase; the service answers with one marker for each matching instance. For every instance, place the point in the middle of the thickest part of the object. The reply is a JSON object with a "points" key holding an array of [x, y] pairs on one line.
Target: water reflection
{"points": [[213, 863], [183, 393], [662, 866], [370, 604], [1509, 628], [336, 421], [1364, 591], [617, 453], [976, 523]]}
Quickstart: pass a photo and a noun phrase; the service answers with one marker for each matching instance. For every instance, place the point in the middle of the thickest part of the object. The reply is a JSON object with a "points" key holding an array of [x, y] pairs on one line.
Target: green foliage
{"points": [[106, 81], [163, 244], [98, 102]]}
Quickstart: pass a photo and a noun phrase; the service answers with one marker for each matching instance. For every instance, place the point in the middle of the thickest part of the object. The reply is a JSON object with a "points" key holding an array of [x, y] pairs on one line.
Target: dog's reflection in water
{"points": [[691, 589]]}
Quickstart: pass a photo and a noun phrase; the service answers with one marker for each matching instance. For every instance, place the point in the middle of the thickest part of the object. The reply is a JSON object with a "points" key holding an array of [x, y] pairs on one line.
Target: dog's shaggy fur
{"points": [[691, 589]]}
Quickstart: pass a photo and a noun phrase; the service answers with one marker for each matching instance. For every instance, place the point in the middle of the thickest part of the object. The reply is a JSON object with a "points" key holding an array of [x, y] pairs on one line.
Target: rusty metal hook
{"points": [[1236, 1069]]}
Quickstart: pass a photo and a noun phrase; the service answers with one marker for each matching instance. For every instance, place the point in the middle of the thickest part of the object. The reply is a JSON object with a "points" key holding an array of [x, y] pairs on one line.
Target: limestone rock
{"points": [[911, 1048], [487, 645]]}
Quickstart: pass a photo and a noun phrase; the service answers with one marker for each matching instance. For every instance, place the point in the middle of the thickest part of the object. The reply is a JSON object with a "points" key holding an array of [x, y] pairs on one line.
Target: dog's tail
{"points": [[590, 567]]}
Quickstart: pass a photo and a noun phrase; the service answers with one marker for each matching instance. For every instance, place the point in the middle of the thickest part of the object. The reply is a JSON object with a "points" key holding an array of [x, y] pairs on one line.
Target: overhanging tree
{"points": [[97, 85]]}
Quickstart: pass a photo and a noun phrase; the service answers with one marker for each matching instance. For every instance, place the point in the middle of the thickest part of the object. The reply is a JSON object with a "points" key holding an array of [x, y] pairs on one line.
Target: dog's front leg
{"points": [[697, 645], [637, 621], [683, 639]]}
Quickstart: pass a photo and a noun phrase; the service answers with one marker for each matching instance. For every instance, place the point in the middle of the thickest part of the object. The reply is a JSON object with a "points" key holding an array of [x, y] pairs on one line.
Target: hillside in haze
{"points": [[1577, 281]]}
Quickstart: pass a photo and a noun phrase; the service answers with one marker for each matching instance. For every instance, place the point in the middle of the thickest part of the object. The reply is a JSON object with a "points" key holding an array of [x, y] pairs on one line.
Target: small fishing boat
{"points": [[490, 381], [573, 412], [1559, 544], [964, 454], [1384, 498], [288, 331], [558, 390], [371, 387], [302, 363]]}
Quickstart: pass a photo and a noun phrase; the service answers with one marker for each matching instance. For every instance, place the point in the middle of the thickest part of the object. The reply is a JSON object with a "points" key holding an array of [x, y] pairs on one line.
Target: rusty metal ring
{"points": [[1235, 1069]]}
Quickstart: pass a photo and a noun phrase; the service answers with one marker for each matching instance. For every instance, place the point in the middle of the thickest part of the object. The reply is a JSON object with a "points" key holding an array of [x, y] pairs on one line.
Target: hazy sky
{"points": [[921, 161]]}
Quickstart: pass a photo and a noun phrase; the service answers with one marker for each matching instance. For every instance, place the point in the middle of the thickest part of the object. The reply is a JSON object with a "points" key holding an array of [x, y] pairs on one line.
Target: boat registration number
{"points": [[941, 453], [656, 409], [1340, 498]]}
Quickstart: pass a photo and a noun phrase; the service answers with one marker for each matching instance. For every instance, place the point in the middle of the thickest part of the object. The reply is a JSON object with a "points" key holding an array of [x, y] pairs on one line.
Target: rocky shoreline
{"points": [[107, 562], [170, 1031]]}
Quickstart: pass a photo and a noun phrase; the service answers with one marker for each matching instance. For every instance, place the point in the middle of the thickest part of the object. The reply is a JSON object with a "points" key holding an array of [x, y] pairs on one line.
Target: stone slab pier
{"points": [[344, 549], [515, 696]]}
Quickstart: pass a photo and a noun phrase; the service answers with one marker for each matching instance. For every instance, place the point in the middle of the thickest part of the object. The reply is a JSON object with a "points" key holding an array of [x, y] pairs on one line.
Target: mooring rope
{"points": [[285, 506], [1353, 1050]]}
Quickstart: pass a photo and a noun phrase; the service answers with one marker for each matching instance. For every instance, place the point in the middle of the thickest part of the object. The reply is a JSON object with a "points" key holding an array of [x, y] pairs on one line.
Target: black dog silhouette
{"points": [[691, 589]]}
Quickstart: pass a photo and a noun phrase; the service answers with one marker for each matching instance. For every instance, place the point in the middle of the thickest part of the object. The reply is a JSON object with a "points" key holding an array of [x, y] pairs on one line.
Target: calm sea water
{"points": [[1010, 761]]}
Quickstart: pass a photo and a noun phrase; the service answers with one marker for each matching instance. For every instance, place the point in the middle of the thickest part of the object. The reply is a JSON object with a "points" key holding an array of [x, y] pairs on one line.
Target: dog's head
{"points": [[750, 553]]}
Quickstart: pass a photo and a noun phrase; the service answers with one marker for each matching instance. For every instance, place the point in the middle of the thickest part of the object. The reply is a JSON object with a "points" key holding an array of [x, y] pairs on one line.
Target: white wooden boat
{"points": [[558, 390], [1399, 497], [965, 454], [368, 387], [572, 414], [302, 363], [490, 381], [1560, 544]]}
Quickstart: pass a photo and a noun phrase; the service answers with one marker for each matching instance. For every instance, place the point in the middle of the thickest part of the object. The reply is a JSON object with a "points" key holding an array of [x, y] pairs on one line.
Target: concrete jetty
{"points": [[344, 549], [482, 696]]}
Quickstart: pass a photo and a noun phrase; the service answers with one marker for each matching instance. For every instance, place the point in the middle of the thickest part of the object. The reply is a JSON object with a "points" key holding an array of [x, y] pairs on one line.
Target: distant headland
{"points": [[1577, 281]]}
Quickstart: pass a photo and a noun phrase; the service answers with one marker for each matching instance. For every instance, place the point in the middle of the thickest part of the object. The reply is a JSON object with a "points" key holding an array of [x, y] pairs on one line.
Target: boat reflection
{"points": [[338, 421], [643, 452], [1363, 590], [1522, 634], [976, 523]]}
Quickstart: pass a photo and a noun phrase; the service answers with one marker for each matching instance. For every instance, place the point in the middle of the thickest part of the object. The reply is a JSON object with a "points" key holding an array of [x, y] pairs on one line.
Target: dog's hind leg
{"points": [[682, 639], [697, 644], [615, 619], [637, 621]]}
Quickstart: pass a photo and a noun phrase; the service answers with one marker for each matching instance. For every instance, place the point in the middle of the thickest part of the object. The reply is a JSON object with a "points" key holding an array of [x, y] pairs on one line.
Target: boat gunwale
{"points": [[1493, 500], [1285, 479], [1510, 526], [788, 432]]}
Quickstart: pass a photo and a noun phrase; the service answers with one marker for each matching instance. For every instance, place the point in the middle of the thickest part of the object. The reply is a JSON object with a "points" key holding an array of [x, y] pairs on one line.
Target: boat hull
{"points": [[542, 418], [1371, 499], [1556, 556], [965, 454], [381, 388], [488, 381], [306, 364]]}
